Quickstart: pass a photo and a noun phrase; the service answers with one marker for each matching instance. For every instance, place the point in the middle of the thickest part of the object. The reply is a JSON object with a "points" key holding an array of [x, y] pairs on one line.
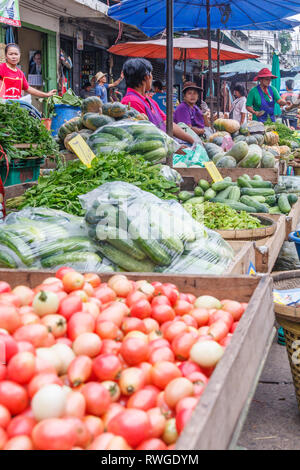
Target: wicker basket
{"points": [[289, 319]]}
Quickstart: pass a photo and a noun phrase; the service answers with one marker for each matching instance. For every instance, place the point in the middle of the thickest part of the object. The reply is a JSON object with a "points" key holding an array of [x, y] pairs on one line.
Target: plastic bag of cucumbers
{"points": [[139, 232], [136, 137], [45, 238]]}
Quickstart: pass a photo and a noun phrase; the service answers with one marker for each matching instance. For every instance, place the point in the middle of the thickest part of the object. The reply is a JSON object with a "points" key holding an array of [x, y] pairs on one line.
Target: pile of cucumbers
{"points": [[138, 232], [251, 195]]}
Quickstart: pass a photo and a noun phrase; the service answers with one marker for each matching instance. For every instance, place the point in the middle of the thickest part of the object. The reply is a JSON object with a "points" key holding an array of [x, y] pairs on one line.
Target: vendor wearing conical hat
{"points": [[262, 98]]}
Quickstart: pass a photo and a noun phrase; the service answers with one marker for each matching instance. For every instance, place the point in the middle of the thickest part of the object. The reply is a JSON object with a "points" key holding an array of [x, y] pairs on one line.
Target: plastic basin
{"points": [[63, 113], [295, 237]]}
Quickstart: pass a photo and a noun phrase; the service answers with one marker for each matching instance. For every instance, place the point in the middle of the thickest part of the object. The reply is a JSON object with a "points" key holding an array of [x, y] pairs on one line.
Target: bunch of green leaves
{"points": [[60, 190], [18, 127], [217, 216], [68, 98], [286, 135]]}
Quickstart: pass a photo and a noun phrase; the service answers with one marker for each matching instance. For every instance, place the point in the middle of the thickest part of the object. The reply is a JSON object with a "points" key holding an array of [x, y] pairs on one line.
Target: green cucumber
{"points": [[270, 200], [204, 185], [283, 204], [198, 191], [146, 146], [235, 194], [220, 185], [252, 203], [257, 192], [247, 177], [120, 239], [238, 206], [155, 155], [195, 200], [65, 245], [257, 178], [260, 199], [125, 261], [185, 195], [7, 261], [260, 184], [292, 198], [224, 194], [209, 194], [18, 246], [274, 210], [81, 259], [243, 182]]}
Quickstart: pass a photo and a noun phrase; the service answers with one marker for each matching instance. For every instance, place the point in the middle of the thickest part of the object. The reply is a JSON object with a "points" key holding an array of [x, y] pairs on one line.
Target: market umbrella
{"points": [[184, 48], [242, 66], [277, 81]]}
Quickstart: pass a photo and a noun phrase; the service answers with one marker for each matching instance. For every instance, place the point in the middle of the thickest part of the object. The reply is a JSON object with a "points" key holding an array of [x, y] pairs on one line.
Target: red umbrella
{"points": [[185, 48]]}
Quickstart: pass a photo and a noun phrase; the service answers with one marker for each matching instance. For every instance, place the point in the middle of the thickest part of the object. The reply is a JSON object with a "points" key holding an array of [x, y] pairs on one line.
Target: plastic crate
{"points": [[21, 171]]}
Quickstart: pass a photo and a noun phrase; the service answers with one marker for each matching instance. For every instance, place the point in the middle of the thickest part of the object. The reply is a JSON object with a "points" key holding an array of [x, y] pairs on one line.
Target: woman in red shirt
{"points": [[13, 80]]}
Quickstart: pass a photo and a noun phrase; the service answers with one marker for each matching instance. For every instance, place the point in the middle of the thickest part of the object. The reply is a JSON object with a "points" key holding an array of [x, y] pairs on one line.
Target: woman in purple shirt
{"points": [[187, 112]]}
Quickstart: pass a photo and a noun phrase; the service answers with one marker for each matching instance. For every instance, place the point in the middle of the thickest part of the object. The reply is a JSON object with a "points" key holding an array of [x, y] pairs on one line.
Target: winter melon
{"points": [[218, 157], [212, 149], [268, 160], [93, 120], [226, 162], [238, 151], [251, 140]]}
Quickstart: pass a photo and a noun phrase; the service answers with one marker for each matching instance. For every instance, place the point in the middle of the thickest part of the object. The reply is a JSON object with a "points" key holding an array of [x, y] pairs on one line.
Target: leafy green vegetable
{"points": [[60, 190], [286, 135], [69, 98], [217, 216], [18, 127]]}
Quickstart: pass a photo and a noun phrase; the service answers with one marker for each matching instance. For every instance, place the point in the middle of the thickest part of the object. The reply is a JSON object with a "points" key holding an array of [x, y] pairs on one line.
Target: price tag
{"points": [[213, 171], [251, 270], [82, 150]]}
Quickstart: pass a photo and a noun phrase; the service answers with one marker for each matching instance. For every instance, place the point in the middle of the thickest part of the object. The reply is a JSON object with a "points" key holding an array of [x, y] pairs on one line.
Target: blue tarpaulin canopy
{"points": [[150, 15]]}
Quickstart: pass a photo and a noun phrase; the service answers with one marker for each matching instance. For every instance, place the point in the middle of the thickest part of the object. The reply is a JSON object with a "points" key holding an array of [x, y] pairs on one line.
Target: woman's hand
{"points": [[51, 93]]}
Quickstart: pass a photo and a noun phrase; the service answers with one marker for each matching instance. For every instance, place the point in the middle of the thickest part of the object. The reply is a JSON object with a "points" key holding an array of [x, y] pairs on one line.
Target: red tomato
{"points": [[164, 372], [182, 418], [114, 313], [170, 291], [160, 300], [188, 367], [105, 294], [70, 305], [5, 417], [182, 307], [201, 316], [146, 369], [10, 319], [4, 287], [163, 313], [189, 320], [97, 398], [3, 372], [221, 315], [62, 271], [43, 366], [54, 434], [108, 441], [80, 323], [8, 298], [122, 287], [141, 309], [20, 426], [191, 298], [175, 328], [133, 425], [186, 403], [133, 324], [91, 308], [75, 404], [94, 424], [131, 380], [34, 334], [152, 444], [48, 341], [21, 368], [157, 344], [203, 330], [79, 371], [107, 367], [161, 354], [19, 443], [200, 381], [178, 389], [108, 330], [110, 346], [225, 341], [233, 307], [182, 344], [29, 319], [92, 279], [134, 351], [218, 330], [40, 380], [144, 399], [87, 344], [157, 422], [113, 410], [234, 327], [244, 305], [84, 436], [164, 408], [73, 281], [3, 438], [151, 325], [135, 297], [25, 346], [8, 347], [13, 396]]}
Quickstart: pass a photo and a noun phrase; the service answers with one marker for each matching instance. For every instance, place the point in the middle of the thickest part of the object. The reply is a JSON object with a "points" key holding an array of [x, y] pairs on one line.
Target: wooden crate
{"points": [[193, 175], [267, 249], [216, 422], [244, 255]]}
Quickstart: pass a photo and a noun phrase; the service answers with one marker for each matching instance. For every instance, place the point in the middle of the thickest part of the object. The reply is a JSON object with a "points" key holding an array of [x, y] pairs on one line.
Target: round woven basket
{"points": [[268, 229], [289, 319]]}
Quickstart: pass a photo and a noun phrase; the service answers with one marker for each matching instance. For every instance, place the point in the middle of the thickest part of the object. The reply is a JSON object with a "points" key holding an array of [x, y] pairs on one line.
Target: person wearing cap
{"points": [[262, 98], [188, 112], [102, 87], [87, 90], [138, 77]]}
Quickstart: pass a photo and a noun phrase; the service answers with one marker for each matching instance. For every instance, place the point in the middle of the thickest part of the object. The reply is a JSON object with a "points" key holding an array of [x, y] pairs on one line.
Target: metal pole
{"points": [[209, 63], [202, 80], [184, 70], [170, 14], [218, 76]]}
